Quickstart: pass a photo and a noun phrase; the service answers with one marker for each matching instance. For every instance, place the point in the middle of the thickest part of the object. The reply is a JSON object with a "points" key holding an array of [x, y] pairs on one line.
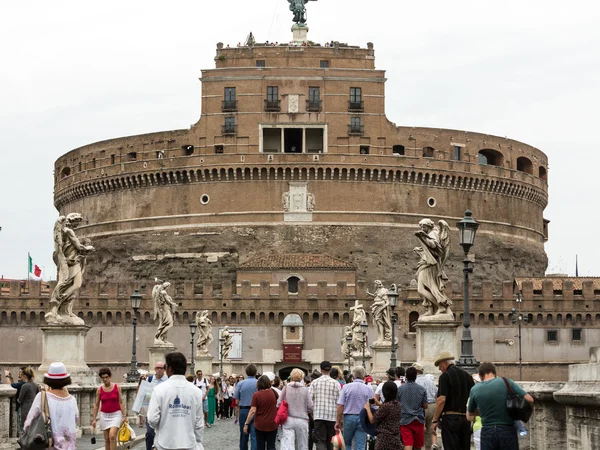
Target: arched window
{"points": [[489, 157], [293, 284], [65, 172], [542, 173], [524, 165], [398, 150]]}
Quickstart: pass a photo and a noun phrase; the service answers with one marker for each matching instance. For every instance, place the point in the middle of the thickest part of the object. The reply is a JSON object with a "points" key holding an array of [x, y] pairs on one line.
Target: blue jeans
{"points": [[149, 436], [499, 437], [251, 433], [353, 430]]}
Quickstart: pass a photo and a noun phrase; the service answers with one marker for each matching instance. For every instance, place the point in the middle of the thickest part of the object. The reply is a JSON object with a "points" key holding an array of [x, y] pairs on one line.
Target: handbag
{"points": [[282, 412], [518, 408], [39, 434], [124, 433]]}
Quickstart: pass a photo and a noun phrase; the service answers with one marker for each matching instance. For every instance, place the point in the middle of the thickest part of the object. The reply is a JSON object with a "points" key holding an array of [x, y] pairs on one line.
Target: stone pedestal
{"points": [[66, 344], [434, 338], [299, 34], [204, 363], [7, 441], [157, 353], [581, 397], [382, 353], [357, 357]]}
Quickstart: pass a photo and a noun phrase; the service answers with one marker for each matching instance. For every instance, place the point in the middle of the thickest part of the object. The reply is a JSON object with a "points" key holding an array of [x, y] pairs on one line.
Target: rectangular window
{"points": [[229, 94], [272, 93], [576, 334], [457, 153], [314, 94], [218, 149], [229, 100], [552, 335], [229, 126], [355, 95], [112, 159], [260, 63], [314, 99], [324, 64], [355, 126], [364, 149]]}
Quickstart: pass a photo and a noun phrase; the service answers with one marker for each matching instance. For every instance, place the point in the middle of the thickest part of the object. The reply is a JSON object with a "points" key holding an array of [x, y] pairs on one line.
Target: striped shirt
{"points": [[325, 392], [354, 396], [427, 382]]}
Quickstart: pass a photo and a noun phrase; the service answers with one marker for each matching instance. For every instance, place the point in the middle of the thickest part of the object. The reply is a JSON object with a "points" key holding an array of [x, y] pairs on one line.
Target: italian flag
{"points": [[34, 268]]}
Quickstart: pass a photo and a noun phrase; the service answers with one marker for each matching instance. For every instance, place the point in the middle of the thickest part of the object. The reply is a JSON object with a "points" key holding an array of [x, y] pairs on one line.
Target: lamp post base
{"points": [[467, 361]]}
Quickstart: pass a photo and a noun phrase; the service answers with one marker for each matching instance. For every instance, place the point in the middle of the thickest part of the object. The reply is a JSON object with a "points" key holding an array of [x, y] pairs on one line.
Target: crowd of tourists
{"points": [[327, 409]]}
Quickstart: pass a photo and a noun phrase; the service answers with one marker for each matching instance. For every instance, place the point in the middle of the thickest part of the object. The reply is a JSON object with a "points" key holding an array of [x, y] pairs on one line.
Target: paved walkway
{"points": [[223, 435]]}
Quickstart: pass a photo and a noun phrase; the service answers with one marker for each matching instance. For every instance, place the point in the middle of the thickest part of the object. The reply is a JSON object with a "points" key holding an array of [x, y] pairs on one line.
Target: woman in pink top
{"points": [[112, 409]]}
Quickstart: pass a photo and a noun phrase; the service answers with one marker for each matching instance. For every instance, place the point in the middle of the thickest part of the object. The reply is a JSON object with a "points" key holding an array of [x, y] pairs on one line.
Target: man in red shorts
{"points": [[413, 402]]}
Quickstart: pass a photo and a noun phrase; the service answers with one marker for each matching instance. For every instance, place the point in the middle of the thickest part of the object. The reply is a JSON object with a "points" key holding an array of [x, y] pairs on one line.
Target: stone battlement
{"points": [[320, 303]]}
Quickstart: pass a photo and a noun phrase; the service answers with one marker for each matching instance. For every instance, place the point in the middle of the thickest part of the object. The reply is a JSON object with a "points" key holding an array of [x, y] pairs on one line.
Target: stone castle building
{"points": [[293, 153], [281, 206]]}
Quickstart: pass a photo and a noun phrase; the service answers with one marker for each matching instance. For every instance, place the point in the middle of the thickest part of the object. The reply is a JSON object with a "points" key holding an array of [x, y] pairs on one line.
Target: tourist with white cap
{"points": [[62, 407], [451, 405]]}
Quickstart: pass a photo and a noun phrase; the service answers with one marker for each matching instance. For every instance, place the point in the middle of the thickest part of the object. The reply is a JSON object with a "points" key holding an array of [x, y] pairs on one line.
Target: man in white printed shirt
{"points": [[324, 392], [175, 409]]}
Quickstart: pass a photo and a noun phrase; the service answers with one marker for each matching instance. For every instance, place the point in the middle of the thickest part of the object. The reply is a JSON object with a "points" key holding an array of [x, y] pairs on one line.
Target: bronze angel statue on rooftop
{"points": [[299, 10], [431, 278]]}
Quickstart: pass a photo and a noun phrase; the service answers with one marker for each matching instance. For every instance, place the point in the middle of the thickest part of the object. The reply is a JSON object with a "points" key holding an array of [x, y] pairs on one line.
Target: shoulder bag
{"points": [[282, 412], [39, 434], [518, 408]]}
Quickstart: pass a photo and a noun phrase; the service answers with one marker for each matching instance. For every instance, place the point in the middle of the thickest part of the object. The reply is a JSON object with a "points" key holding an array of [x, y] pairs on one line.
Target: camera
{"points": [[371, 401]]}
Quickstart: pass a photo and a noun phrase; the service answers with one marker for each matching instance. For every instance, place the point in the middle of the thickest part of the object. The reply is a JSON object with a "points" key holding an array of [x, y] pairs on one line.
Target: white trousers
{"points": [[295, 429]]}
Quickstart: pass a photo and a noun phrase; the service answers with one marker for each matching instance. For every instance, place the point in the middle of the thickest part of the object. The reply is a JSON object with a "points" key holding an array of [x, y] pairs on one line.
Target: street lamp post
{"points": [[519, 318], [136, 301], [221, 342], [364, 327], [193, 327], [393, 299], [467, 228], [348, 346]]}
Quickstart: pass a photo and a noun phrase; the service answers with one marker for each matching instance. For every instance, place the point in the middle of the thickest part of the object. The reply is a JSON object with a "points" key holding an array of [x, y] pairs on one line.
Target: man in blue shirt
{"points": [[244, 391], [350, 403], [413, 402]]}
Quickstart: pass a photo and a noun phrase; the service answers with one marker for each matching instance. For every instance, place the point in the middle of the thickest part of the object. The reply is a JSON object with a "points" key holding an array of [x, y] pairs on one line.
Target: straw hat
{"points": [[57, 371], [444, 356]]}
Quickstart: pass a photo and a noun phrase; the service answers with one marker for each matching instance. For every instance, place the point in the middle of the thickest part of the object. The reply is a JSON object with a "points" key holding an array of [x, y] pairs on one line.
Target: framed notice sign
{"points": [[236, 349], [292, 353]]}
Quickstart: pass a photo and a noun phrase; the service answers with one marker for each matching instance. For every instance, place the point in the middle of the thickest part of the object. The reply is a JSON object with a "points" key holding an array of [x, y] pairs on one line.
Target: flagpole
{"points": [[28, 267]]}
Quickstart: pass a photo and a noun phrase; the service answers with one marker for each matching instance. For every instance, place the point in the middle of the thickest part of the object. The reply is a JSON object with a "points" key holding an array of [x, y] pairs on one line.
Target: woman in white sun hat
{"points": [[62, 407]]}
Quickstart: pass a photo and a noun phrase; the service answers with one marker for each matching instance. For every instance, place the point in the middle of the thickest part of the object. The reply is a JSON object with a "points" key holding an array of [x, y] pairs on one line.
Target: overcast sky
{"points": [[76, 72]]}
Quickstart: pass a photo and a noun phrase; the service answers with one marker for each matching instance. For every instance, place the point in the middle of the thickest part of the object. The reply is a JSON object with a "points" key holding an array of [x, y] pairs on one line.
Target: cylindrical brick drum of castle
{"points": [[293, 153]]}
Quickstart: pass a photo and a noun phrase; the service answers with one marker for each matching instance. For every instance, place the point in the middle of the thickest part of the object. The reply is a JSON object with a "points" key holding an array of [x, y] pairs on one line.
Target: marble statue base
{"points": [[357, 357], [382, 353], [204, 363], [434, 338], [299, 34], [66, 344], [157, 353]]}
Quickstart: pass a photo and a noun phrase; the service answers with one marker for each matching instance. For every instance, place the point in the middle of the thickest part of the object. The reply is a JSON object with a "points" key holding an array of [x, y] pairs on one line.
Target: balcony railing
{"points": [[228, 129], [356, 129], [272, 105], [314, 105], [356, 105], [229, 105]]}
